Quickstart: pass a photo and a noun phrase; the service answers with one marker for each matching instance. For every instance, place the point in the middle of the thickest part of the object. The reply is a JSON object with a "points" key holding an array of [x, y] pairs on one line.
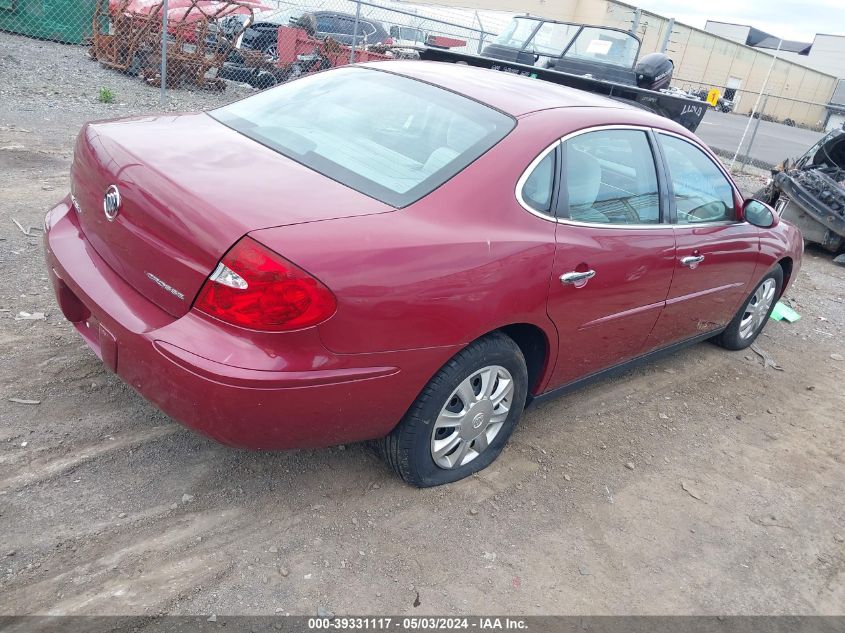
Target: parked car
{"points": [[810, 191], [305, 268], [261, 35], [407, 36]]}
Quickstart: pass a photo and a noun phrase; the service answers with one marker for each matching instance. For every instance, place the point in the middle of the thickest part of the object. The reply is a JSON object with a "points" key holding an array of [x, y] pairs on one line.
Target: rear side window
{"points": [[539, 186], [610, 178], [327, 24], [347, 27], [390, 137], [702, 193]]}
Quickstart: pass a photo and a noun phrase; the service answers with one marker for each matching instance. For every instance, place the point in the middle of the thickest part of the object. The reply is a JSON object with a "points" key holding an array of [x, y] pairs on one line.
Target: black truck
{"points": [[597, 59]]}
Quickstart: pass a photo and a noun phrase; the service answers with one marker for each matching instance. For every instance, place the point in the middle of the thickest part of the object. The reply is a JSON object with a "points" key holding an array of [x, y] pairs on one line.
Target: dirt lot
{"points": [[733, 501]]}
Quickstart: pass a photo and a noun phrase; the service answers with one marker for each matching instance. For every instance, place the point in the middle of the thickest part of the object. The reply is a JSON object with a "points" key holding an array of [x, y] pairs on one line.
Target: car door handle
{"points": [[574, 277], [692, 260]]}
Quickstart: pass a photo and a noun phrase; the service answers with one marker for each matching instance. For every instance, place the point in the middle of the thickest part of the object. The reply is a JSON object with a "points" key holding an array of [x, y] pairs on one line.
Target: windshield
{"points": [[410, 34], [606, 46], [574, 41], [517, 32], [390, 137]]}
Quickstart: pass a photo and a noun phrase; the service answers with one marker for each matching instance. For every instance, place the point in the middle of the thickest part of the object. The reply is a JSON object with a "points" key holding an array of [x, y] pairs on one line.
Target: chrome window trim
{"points": [[707, 153], [721, 168], [600, 225], [611, 225], [520, 184]]}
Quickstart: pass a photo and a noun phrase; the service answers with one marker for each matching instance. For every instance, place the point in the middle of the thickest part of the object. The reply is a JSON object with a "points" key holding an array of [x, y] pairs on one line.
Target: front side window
{"points": [[702, 192], [610, 178], [402, 141]]}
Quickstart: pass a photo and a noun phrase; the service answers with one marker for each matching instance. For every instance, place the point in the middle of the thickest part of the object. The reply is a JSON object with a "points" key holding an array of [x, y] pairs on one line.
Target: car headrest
{"points": [[438, 159], [583, 177]]}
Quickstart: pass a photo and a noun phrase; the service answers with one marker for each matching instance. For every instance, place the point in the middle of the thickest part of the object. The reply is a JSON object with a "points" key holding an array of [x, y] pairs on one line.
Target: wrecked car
{"points": [[127, 35], [810, 192]]}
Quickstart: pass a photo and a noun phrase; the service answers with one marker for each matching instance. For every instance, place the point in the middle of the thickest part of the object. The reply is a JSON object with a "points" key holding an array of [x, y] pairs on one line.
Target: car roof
{"points": [[514, 94], [282, 16]]}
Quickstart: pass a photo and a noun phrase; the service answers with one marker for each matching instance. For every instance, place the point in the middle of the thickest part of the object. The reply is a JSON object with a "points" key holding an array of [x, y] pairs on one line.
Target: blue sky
{"points": [[790, 19]]}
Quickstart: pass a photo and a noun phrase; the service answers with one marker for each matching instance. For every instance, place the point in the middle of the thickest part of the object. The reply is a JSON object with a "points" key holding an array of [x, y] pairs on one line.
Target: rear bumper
{"points": [[279, 391]]}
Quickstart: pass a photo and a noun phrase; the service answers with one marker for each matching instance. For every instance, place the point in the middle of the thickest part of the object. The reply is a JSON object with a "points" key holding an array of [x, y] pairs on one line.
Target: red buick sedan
{"points": [[408, 252]]}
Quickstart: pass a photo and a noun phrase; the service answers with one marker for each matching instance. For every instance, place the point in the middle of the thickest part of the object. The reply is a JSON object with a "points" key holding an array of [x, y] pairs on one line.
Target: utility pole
{"points": [[669, 28], [756, 105], [355, 32]]}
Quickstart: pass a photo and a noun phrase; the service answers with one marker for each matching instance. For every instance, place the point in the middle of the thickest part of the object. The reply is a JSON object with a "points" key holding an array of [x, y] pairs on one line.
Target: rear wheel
{"points": [[463, 418], [263, 80], [271, 51], [743, 330]]}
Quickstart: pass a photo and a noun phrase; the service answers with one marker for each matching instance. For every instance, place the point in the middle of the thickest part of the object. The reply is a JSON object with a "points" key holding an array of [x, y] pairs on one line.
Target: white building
{"points": [[825, 54]]}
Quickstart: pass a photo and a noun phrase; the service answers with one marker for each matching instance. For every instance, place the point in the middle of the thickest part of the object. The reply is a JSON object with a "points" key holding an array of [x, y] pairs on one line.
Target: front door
{"points": [[614, 256], [716, 254]]}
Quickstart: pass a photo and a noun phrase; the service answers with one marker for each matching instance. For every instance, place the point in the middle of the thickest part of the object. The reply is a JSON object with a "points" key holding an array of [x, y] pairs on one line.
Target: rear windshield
{"points": [[389, 137]]}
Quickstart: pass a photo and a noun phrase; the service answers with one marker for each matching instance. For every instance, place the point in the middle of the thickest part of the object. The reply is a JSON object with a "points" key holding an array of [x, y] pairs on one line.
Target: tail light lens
{"points": [[388, 41], [255, 288]]}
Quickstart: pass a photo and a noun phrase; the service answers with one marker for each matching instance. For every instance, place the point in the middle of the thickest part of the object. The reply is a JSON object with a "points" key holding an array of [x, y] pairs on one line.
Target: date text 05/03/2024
{"points": [[417, 623]]}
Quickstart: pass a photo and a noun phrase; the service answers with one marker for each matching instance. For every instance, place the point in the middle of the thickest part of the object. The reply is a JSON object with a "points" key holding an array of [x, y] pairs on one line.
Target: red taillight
{"points": [[388, 41], [255, 288]]}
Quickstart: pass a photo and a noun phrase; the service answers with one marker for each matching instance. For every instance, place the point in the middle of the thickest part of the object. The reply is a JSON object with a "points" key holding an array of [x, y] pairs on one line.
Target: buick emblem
{"points": [[111, 203]]}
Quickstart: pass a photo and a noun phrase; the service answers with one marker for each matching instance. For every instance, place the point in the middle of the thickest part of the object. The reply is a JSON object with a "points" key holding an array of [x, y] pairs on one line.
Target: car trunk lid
{"points": [[189, 189]]}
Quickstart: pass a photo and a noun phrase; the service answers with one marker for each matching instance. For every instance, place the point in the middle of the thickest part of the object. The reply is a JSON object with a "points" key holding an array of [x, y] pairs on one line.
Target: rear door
{"points": [[614, 255], [716, 253]]}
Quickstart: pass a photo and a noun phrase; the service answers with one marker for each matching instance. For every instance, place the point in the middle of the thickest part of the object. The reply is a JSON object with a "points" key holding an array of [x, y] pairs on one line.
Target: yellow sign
{"points": [[713, 97]]}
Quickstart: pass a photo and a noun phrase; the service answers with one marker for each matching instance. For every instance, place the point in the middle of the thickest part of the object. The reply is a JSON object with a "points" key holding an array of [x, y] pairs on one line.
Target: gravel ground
{"points": [[56, 86], [700, 484]]}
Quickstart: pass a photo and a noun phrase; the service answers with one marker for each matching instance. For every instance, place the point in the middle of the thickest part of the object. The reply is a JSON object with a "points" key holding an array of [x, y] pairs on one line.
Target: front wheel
{"points": [[743, 330], [464, 416]]}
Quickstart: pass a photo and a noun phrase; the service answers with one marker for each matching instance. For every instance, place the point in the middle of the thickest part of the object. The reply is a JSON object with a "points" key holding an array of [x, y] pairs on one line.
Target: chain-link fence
{"points": [[774, 108], [260, 42], [758, 124], [210, 43]]}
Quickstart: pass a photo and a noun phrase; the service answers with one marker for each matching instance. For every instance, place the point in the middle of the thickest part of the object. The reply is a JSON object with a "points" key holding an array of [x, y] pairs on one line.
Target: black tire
{"points": [[408, 448], [263, 80], [731, 338]]}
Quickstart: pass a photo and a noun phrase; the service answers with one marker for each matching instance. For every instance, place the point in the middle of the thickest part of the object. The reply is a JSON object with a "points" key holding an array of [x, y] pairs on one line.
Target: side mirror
{"points": [[759, 214]]}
